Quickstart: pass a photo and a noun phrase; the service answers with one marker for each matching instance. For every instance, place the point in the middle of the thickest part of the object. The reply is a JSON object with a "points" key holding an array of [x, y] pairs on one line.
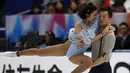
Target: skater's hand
{"points": [[108, 29], [79, 38], [105, 31], [80, 44]]}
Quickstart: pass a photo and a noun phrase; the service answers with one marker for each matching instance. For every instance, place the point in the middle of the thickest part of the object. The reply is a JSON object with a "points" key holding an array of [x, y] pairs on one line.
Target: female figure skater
{"points": [[84, 31]]}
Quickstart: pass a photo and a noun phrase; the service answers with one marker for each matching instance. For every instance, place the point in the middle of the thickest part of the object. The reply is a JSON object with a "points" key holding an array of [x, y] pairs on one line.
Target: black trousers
{"points": [[103, 68]]}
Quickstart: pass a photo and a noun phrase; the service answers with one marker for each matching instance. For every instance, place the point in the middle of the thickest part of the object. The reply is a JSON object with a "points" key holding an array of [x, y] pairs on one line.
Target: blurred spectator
{"points": [[74, 6], [105, 3], [123, 41], [41, 42], [50, 9], [118, 6], [36, 10], [50, 39], [60, 7], [82, 2], [69, 11], [21, 44], [32, 39]]}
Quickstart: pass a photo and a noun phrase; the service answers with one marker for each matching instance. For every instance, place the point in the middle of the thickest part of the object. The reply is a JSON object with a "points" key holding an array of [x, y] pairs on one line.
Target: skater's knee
{"points": [[88, 63]]}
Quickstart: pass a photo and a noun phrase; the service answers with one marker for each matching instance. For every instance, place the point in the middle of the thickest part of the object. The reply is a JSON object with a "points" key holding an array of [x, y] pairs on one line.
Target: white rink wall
{"points": [[120, 62]]}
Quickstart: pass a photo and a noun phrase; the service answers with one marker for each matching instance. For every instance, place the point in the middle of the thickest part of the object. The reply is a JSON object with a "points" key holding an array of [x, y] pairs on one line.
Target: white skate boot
{"points": [[8, 54]]}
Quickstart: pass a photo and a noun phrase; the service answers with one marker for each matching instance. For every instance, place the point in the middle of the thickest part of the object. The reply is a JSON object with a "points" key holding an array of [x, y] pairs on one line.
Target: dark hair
{"points": [[61, 10], [123, 23], [60, 2], [50, 4], [108, 9], [87, 9]]}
